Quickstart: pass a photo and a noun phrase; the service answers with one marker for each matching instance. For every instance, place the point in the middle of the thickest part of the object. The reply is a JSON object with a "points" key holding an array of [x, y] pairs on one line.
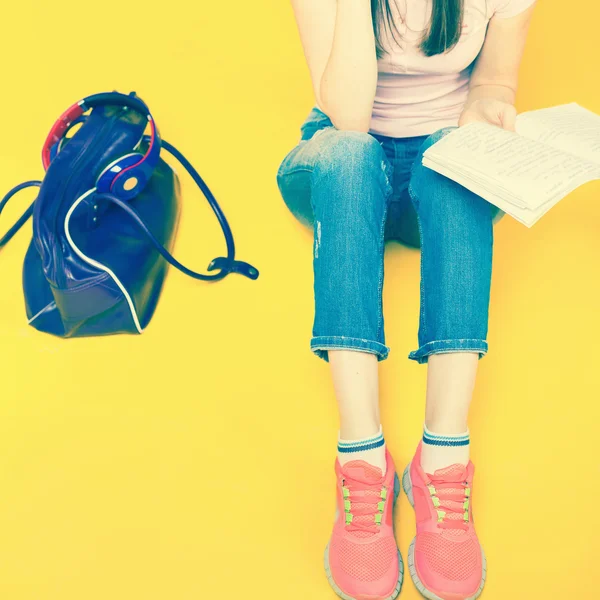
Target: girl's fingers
{"points": [[509, 117]]}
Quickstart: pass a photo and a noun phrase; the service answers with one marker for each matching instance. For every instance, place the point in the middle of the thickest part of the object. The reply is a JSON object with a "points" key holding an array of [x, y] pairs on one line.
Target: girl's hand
{"points": [[490, 110]]}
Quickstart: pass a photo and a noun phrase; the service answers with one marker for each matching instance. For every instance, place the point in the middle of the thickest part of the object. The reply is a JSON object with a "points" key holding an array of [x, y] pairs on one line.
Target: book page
{"points": [[570, 128], [526, 216], [528, 170]]}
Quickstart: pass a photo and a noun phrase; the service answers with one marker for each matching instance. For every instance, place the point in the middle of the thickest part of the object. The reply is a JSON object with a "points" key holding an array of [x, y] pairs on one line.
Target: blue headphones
{"points": [[125, 177]]}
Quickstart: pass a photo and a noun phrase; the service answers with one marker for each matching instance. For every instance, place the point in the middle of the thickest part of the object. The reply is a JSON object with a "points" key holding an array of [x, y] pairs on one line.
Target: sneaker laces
{"points": [[364, 499], [451, 495]]}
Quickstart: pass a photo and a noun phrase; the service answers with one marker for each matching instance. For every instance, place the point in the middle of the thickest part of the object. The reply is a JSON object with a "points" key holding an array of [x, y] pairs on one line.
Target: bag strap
{"points": [[225, 265], [24, 217]]}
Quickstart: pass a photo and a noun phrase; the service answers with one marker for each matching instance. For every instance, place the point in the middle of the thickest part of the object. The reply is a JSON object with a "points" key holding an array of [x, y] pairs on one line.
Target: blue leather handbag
{"points": [[104, 222]]}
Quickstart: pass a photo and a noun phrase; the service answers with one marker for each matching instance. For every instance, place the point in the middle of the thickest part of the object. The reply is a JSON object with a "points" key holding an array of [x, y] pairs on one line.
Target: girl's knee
{"points": [[421, 177], [434, 138], [439, 199], [352, 168], [418, 169], [350, 150], [428, 188]]}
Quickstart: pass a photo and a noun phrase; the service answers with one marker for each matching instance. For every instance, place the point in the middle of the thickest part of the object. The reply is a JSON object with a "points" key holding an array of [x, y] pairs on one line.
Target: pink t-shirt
{"points": [[417, 95]]}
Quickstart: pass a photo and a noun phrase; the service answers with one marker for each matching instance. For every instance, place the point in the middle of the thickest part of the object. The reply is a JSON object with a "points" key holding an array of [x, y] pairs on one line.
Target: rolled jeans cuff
{"points": [[449, 346], [321, 344]]}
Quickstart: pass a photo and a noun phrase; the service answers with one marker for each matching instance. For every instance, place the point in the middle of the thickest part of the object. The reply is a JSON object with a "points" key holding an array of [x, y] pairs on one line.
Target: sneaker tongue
{"points": [[361, 471], [457, 473]]}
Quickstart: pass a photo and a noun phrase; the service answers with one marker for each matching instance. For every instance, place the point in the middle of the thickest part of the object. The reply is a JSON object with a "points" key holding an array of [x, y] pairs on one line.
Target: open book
{"points": [[554, 151]]}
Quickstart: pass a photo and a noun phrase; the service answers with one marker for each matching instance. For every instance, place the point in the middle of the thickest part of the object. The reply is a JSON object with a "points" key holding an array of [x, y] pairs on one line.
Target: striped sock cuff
{"points": [[435, 439], [370, 443]]}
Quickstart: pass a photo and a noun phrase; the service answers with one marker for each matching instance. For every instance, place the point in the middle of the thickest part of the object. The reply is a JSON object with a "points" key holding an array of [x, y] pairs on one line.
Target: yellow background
{"points": [[196, 461]]}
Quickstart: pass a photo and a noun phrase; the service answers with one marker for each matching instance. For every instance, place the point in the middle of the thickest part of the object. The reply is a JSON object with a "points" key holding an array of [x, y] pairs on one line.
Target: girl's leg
{"points": [[456, 268], [349, 198], [450, 383], [456, 264], [356, 384], [347, 176]]}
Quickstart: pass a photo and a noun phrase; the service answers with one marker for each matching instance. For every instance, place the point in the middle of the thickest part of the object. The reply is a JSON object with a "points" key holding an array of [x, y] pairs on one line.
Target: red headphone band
{"points": [[77, 110], [60, 127]]}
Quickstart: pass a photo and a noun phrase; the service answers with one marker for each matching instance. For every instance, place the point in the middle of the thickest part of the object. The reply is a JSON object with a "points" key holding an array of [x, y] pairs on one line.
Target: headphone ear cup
{"points": [[106, 179], [130, 184]]}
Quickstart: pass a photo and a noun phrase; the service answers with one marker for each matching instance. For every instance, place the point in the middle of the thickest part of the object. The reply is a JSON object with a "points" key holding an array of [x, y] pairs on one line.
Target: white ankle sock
{"points": [[440, 450], [370, 449]]}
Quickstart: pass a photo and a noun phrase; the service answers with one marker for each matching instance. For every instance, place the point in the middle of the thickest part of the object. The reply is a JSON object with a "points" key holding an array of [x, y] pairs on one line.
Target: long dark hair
{"points": [[443, 32]]}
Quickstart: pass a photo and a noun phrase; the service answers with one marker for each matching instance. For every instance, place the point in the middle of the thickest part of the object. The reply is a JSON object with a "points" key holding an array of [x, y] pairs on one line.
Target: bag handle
{"points": [[24, 217], [225, 265]]}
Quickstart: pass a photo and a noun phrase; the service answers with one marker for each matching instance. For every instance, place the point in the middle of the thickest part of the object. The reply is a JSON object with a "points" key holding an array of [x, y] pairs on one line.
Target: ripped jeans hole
{"points": [[318, 239]]}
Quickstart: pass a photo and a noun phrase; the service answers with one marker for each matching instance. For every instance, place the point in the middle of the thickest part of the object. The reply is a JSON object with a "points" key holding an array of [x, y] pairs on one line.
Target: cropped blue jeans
{"points": [[357, 190]]}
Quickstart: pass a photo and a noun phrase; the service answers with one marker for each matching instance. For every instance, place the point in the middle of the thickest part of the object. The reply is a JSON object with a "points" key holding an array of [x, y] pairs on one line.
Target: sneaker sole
{"points": [[407, 485], [398, 587]]}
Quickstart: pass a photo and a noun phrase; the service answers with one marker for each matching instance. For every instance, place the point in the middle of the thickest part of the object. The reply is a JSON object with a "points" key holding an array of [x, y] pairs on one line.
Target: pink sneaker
{"points": [[362, 561], [445, 559]]}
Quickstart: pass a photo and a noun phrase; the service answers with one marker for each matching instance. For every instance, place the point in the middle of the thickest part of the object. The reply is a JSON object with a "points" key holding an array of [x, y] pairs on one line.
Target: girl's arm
{"points": [[494, 79], [339, 45]]}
